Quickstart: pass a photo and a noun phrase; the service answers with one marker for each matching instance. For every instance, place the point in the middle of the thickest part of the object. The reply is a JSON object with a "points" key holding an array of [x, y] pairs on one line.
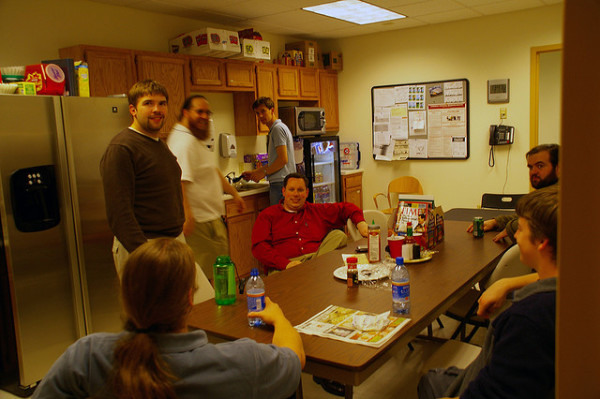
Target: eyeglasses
{"points": [[205, 112]]}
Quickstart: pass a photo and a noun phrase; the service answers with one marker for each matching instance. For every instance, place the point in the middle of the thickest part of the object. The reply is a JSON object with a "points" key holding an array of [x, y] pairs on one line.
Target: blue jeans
{"points": [[275, 193]]}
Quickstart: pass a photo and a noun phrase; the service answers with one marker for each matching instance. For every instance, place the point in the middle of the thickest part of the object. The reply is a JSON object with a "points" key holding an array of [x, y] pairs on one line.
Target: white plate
{"points": [[365, 272]]}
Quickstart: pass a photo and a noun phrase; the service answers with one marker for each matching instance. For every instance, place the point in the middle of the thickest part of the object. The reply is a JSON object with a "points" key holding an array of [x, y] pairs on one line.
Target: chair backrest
{"points": [[500, 201], [509, 265], [403, 185]]}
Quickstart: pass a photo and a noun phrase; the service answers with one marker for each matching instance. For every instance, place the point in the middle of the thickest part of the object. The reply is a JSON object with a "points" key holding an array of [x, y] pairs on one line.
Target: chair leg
{"points": [[440, 322]]}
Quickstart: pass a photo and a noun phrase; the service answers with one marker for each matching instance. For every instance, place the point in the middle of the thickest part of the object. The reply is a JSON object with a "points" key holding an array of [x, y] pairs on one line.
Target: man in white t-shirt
{"points": [[203, 184]]}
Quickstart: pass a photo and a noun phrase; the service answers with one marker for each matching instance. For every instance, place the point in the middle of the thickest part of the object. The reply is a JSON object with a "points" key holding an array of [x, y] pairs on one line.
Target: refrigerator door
{"points": [[42, 301], [90, 124], [322, 167]]}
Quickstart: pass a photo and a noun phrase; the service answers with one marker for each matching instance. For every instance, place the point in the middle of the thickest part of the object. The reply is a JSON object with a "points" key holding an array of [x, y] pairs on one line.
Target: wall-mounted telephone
{"points": [[501, 134]]}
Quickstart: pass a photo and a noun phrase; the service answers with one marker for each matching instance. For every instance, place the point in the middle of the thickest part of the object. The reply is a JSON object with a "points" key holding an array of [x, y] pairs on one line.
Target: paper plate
{"points": [[425, 258], [365, 272]]}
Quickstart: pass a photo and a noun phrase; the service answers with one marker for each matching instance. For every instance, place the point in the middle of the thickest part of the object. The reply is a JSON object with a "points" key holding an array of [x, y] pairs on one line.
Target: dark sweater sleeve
{"points": [[118, 179], [510, 223]]}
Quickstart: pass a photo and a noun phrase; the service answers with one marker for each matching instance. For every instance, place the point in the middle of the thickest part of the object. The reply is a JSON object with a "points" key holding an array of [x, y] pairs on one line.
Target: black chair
{"points": [[500, 201]]}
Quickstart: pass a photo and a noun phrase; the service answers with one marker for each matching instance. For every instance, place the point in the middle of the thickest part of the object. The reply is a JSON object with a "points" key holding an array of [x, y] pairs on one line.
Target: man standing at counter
{"points": [[287, 234], [280, 149], [542, 162], [203, 184], [141, 177]]}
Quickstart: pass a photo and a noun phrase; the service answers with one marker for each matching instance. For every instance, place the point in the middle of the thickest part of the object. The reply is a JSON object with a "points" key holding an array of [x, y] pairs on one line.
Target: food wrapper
{"points": [[366, 322]]}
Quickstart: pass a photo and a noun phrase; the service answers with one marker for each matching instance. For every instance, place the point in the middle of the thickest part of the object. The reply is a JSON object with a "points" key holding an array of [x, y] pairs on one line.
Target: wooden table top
{"points": [[305, 290]]}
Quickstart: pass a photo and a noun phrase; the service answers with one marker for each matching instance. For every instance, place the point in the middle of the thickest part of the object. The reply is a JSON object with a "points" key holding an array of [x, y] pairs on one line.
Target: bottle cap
{"points": [[373, 226], [254, 272], [222, 260], [399, 260], [352, 259]]}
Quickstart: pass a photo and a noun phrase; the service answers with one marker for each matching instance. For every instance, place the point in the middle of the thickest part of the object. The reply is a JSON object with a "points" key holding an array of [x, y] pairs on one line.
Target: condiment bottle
{"points": [[352, 272], [374, 242]]}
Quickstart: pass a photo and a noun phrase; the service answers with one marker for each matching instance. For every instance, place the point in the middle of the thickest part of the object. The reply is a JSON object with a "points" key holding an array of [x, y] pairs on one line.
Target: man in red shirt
{"points": [[293, 231]]}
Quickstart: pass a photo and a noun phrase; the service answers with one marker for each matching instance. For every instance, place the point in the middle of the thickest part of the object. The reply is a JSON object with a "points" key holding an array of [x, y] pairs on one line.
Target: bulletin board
{"points": [[427, 120]]}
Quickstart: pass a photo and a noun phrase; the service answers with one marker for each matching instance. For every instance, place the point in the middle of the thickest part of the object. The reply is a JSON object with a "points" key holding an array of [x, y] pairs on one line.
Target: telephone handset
{"points": [[501, 134]]}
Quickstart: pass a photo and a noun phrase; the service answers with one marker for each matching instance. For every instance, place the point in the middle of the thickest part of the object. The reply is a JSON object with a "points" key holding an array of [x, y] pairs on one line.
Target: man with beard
{"points": [[542, 162], [202, 183], [141, 176]]}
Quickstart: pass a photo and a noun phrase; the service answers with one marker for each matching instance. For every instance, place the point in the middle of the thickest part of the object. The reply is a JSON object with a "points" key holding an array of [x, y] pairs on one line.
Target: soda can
{"points": [[478, 227]]}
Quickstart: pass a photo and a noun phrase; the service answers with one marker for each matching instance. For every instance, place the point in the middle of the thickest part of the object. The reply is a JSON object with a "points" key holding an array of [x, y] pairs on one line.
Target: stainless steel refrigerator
{"points": [[318, 158], [57, 278]]}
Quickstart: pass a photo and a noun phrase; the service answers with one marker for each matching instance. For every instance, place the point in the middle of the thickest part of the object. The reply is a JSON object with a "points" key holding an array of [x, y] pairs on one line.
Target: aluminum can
{"points": [[478, 227]]}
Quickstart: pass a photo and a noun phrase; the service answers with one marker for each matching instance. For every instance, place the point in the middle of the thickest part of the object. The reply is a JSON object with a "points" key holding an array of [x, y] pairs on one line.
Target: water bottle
{"points": [[255, 294], [224, 279], [400, 288]]}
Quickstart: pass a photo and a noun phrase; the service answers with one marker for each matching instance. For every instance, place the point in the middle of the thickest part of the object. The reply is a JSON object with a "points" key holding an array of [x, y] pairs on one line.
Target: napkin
{"points": [[367, 322]]}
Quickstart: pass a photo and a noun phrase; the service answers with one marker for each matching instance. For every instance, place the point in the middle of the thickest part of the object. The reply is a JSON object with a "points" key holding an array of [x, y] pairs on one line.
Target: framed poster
{"points": [[427, 120]]}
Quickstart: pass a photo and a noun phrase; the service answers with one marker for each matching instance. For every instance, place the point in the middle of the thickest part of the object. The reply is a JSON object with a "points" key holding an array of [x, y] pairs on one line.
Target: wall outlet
{"points": [[503, 113]]}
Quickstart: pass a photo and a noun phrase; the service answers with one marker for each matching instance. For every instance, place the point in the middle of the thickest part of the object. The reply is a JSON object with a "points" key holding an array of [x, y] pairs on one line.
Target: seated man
{"points": [[517, 358], [291, 232]]}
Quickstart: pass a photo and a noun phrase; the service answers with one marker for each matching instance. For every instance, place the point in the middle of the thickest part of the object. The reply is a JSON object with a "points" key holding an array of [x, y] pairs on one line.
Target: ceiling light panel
{"points": [[355, 11]]}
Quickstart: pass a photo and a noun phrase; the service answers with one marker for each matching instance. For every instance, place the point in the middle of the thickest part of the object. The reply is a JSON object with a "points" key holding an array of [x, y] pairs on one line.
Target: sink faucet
{"points": [[231, 178]]}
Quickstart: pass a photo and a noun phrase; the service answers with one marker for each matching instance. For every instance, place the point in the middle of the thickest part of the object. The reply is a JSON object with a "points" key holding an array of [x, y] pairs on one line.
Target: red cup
{"points": [[395, 243], [421, 240]]}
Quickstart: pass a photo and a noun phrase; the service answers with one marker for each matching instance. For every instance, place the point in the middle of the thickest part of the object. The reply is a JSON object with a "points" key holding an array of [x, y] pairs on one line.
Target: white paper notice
{"points": [[417, 123], [399, 122], [453, 92], [384, 97], [402, 94], [400, 150], [459, 147], [418, 148]]}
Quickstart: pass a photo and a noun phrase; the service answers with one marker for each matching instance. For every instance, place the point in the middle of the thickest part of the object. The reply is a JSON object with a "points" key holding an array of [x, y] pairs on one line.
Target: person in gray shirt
{"points": [[280, 149]]}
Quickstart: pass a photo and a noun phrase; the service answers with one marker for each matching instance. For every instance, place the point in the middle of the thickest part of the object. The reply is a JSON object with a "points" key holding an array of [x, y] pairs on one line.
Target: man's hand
{"points": [[487, 225], [255, 175], [271, 314], [500, 236], [292, 264], [492, 299], [240, 203], [188, 226], [363, 228]]}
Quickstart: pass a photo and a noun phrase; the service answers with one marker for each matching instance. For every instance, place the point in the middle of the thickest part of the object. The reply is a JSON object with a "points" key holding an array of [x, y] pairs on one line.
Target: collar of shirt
{"points": [[144, 134]]}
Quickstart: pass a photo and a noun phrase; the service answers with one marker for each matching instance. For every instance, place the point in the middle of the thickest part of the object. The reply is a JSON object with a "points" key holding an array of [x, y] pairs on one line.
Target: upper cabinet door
{"points": [[266, 86], [309, 84], [288, 81], [207, 71], [171, 72], [328, 87], [239, 74]]}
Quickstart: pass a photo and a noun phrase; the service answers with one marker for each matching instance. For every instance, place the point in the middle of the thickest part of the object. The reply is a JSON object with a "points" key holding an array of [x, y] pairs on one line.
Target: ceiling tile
{"points": [[441, 17], [507, 6], [426, 7]]}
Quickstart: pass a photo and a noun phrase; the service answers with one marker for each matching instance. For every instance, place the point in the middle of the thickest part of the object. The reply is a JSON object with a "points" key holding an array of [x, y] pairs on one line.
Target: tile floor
{"points": [[397, 378]]}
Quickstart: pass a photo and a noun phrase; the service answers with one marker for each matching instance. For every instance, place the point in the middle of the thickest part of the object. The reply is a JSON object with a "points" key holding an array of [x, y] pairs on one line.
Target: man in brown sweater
{"points": [[141, 177]]}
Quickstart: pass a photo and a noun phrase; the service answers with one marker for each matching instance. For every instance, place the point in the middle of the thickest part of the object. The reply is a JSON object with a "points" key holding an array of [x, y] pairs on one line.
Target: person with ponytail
{"points": [[157, 357]]}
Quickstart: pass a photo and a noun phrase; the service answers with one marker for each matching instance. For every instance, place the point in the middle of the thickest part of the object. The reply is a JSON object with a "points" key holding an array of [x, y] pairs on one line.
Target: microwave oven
{"points": [[303, 121]]}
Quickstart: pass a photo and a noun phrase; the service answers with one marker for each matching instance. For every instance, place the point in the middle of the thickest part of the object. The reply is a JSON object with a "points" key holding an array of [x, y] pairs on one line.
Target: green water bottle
{"points": [[224, 280]]}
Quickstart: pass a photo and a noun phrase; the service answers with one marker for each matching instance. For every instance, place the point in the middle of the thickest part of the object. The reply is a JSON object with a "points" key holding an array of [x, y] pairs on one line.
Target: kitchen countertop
{"points": [[345, 172], [256, 188]]}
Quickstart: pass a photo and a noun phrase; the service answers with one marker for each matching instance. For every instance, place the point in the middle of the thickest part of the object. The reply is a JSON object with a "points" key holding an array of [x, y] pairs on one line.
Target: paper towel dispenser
{"points": [[228, 145]]}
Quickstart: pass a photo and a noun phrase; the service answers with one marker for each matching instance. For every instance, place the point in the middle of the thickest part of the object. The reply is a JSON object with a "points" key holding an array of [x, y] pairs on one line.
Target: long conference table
{"points": [[307, 289]]}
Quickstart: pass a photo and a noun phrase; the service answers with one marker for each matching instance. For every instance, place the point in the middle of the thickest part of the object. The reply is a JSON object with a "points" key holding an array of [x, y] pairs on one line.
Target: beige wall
{"points": [[477, 49]]}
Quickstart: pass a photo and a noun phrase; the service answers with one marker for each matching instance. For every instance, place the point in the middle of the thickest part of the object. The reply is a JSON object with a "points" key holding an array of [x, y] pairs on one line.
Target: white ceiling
{"points": [[286, 17]]}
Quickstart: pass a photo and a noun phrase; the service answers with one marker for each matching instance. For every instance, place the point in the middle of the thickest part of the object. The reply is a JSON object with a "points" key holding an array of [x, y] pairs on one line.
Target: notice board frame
{"points": [[430, 103]]}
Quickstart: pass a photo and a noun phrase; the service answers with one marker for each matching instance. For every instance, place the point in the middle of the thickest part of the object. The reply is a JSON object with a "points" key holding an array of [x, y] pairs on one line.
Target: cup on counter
{"points": [[395, 244], [420, 239]]}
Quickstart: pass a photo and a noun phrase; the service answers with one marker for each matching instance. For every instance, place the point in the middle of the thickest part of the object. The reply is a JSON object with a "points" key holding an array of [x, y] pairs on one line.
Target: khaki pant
{"points": [[333, 240], [204, 292], [208, 240]]}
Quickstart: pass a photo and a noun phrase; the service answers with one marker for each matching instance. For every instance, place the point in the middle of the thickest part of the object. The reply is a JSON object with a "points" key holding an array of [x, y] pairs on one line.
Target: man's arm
{"points": [[284, 333], [188, 225], [494, 296], [363, 228], [279, 162], [229, 189], [262, 249], [118, 180]]}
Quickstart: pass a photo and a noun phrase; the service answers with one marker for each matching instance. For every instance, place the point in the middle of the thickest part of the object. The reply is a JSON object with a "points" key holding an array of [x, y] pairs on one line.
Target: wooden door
{"points": [[328, 88], [207, 71], [288, 81], [111, 71], [239, 74], [309, 83], [171, 72]]}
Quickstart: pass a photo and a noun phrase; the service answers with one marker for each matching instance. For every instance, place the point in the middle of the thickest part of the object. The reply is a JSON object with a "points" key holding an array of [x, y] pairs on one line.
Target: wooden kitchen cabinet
{"points": [[309, 83], [173, 73], [246, 123], [216, 74], [111, 70], [207, 71], [239, 74], [352, 189], [328, 99], [239, 228], [288, 81]]}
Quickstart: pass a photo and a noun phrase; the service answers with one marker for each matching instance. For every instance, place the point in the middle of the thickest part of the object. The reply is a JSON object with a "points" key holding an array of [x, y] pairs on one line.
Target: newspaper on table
{"points": [[340, 323]]}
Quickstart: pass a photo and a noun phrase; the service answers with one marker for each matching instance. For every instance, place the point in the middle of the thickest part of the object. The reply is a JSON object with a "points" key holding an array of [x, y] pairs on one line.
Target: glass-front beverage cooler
{"points": [[318, 158]]}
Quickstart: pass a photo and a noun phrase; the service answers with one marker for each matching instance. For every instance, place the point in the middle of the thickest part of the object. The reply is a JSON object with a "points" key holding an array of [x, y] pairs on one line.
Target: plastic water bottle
{"points": [[400, 287], [255, 294]]}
